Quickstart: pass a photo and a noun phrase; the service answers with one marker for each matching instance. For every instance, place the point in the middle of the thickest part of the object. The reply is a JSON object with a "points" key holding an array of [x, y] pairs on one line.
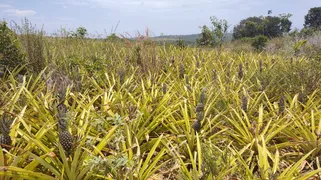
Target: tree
{"points": [[220, 29], [206, 37], [270, 26], [81, 32], [313, 18], [285, 23], [214, 36], [250, 27]]}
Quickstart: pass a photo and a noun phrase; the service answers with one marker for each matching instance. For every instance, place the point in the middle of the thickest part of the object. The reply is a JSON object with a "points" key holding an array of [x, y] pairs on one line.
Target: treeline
{"points": [[258, 29]]}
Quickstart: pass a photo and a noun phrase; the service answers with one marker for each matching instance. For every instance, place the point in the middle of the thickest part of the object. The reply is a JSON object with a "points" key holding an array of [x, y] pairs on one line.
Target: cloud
{"points": [[4, 6], [19, 13]]}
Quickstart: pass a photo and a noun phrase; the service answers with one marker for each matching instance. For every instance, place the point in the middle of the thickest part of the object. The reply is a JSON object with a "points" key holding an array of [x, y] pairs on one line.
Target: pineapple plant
{"points": [[65, 138], [5, 139], [162, 122]]}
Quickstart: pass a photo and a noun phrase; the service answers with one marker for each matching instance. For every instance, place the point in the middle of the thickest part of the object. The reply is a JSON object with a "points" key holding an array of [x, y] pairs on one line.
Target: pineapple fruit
{"points": [[65, 137], [5, 139]]}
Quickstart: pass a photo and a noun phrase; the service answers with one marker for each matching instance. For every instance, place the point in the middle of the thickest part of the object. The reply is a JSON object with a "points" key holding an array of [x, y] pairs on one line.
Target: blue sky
{"points": [[160, 16]]}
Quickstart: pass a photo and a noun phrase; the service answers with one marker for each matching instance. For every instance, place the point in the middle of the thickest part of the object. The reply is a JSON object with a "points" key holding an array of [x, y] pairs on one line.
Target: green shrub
{"points": [[10, 54], [113, 38], [259, 42], [181, 44]]}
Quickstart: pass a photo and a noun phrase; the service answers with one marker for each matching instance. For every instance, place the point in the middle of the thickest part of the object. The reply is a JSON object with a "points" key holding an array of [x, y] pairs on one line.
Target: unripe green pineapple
{"points": [[5, 139], [65, 137]]}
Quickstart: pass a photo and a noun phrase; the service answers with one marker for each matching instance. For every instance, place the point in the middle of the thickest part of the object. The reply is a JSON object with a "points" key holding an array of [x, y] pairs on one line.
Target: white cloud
{"points": [[4, 6], [19, 13]]}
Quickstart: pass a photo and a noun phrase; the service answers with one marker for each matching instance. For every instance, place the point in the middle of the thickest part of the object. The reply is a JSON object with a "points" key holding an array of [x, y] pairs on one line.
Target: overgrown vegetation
{"points": [[32, 40], [10, 53], [132, 109]]}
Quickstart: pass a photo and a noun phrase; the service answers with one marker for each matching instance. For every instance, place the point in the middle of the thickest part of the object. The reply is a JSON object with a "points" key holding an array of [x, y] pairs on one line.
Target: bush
{"points": [[113, 38], [10, 54], [259, 42], [181, 44]]}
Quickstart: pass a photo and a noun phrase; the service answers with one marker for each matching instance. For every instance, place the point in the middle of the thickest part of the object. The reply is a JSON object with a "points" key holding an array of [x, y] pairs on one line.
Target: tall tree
{"points": [[277, 25], [220, 29], [270, 26], [249, 27], [313, 18], [216, 35]]}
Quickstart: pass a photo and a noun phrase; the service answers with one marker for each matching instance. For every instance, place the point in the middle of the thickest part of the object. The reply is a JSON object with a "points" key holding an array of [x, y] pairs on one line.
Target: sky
{"points": [[168, 17]]}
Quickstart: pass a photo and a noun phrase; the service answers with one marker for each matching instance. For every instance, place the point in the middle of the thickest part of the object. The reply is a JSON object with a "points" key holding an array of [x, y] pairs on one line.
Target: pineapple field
{"points": [[137, 110]]}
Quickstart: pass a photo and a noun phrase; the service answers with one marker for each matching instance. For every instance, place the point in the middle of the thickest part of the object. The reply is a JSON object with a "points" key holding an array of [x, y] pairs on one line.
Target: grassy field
{"points": [[135, 110]]}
